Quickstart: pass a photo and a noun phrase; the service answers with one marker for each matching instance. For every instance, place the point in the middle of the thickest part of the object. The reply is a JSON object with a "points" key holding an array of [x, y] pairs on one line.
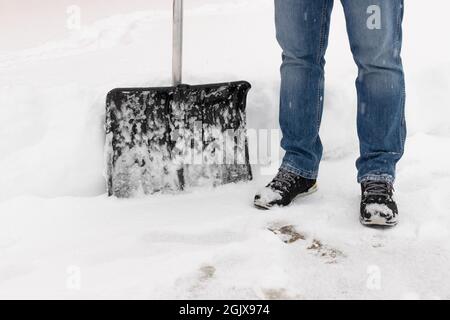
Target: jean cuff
{"points": [[377, 177], [302, 173]]}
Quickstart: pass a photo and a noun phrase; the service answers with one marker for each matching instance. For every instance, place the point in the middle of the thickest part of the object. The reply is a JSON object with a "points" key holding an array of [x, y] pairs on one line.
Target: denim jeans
{"points": [[374, 29]]}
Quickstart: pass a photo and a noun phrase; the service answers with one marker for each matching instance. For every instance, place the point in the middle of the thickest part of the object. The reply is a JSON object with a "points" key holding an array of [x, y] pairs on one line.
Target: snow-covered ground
{"points": [[61, 237]]}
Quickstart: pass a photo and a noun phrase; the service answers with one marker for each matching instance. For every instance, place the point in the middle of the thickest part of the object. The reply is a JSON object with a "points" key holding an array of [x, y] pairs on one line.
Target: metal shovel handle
{"points": [[177, 45]]}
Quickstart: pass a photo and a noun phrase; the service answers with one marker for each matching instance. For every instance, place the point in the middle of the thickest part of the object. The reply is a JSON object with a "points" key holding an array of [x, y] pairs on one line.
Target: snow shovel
{"points": [[168, 139]]}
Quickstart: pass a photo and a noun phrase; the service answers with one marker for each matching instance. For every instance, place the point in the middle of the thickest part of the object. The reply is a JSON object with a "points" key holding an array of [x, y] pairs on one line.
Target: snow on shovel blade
{"points": [[172, 138]]}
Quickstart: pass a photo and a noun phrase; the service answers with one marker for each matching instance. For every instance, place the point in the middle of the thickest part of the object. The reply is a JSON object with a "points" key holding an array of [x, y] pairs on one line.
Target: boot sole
{"points": [[263, 206], [378, 222]]}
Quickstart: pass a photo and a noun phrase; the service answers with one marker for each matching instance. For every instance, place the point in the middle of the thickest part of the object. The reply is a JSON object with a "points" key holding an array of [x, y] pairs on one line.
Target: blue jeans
{"points": [[374, 28]]}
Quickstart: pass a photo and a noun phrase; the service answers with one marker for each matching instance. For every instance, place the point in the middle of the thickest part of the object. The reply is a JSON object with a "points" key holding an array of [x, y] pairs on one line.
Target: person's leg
{"points": [[302, 32], [375, 33]]}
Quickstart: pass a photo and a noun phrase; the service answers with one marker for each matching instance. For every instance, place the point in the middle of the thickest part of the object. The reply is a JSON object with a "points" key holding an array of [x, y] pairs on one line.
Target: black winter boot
{"points": [[283, 189], [378, 207]]}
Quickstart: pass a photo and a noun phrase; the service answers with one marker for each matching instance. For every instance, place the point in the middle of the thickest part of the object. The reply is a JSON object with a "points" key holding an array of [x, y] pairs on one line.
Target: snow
{"points": [[61, 237], [377, 209], [267, 195]]}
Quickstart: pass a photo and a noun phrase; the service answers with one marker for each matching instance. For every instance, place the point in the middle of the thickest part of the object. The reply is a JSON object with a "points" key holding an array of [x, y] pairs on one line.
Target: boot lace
{"points": [[378, 188], [283, 181]]}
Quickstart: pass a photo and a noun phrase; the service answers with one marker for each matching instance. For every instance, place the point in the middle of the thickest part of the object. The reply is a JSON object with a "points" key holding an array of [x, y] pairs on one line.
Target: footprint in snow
{"points": [[197, 281], [330, 254], [207, 272], [378, 241], [289, 234], [278, 294]]}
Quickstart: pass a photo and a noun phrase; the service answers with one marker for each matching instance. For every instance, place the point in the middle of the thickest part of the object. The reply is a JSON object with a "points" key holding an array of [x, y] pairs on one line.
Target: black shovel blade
{"points": [[171, 138]]}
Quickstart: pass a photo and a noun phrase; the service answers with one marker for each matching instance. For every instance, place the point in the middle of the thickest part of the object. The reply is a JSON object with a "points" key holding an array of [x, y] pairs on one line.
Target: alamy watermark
{"points": [[73, 21], [203, 145], [73, 280], [374, 278], [374, 19]]}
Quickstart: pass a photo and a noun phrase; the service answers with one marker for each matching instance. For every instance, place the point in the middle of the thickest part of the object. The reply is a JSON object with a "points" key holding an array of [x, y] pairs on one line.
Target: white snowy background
{"points": [[61, 237]]}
